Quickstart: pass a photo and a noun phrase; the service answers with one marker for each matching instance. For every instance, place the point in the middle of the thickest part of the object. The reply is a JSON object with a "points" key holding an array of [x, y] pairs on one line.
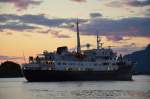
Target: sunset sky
{"points": [[27, 27]]}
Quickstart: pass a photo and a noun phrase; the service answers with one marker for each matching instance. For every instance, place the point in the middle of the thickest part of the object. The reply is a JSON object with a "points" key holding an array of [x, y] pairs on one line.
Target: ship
{"points": [[81, 65]]}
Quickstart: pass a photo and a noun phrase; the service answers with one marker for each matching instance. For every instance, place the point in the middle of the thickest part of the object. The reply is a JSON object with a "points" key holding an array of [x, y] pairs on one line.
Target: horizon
{"points": [[28, 27]]}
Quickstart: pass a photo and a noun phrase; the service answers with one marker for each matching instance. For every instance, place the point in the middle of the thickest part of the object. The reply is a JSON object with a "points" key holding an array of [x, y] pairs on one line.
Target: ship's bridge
{"points": [[100, 53]]}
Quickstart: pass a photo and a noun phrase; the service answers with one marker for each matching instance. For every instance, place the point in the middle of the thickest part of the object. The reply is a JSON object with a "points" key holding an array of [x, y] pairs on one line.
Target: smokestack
{"points": [[78, 38]]}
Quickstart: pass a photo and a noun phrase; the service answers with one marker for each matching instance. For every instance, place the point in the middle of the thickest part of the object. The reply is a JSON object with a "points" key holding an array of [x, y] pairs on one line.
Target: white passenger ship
{"points": [[63, 65]]}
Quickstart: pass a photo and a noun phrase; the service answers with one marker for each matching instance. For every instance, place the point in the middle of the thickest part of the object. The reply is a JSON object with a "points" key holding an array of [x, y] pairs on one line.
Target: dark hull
{"points": [[123, 73]]}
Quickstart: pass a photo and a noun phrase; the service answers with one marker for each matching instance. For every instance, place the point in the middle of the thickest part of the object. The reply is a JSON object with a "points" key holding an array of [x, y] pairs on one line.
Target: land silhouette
{"points": [[10, 69], [142, 59]]}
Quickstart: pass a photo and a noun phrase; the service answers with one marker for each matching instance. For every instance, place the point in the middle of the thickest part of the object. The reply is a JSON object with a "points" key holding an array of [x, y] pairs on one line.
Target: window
{"points": [[59, 63], [113, 64], [105, 63], [64, 63], [89, 69], [95, 64], [69, 69]]}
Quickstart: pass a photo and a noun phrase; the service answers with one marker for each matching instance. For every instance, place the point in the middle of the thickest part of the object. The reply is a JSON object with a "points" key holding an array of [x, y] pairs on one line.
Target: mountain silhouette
{"points": [[142, 59]]}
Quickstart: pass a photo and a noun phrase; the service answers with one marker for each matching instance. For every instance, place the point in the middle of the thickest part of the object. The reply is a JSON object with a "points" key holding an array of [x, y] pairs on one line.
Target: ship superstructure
{"points": [[92, 64]]}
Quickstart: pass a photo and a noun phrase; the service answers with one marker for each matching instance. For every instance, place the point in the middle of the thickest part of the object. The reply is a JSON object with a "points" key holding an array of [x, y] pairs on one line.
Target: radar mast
{"points": [[78, 38], [99, 44]]}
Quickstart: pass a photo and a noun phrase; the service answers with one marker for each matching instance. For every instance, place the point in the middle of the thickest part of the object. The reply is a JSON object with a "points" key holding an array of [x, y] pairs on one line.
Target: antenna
{"points": [[24, 57], [78, 38], [98, 41], [99, 44]]}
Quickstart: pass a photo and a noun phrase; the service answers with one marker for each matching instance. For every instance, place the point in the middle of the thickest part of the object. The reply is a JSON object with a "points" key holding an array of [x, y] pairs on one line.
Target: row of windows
{"points": [[78, 69], [90, 69], [81, 64], [59, 63]]}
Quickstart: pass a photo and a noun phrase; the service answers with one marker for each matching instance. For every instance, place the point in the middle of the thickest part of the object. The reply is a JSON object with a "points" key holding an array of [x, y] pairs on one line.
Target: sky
{"points": [[27, 27]]}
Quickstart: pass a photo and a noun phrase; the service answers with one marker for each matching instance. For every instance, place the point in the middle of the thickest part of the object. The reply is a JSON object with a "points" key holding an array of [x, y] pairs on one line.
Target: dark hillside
{"points": [[10, 69], [143, 60]]}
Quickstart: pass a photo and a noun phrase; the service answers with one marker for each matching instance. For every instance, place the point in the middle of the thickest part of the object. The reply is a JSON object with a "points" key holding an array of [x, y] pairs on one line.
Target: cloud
{"points": [[113, 29], [49, 22], [9, 33], [147, 13], [95, 15], [34, 23], [37, 19], [79, 0], [128, 48], [139, 3], [116, 29], [10, 57], [125, 3], [56, 34], [16, 26], [16, 22], [44, 31], [117, 4], [42, 20], [7, 17], [21, 4], [115, 38]]}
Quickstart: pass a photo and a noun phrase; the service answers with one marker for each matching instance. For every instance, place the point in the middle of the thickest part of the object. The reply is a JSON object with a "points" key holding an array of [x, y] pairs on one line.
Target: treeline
{"points": [[10, 69]]}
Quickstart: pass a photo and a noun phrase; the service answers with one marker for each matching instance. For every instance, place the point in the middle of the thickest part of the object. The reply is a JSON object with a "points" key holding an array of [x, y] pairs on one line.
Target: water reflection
{"points": [[92, 94], [19, 88]]}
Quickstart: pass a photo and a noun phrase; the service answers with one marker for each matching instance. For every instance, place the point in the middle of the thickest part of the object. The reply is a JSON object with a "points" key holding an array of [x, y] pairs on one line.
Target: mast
{"points": [[98, 41], [99, 44], [78, 38]]}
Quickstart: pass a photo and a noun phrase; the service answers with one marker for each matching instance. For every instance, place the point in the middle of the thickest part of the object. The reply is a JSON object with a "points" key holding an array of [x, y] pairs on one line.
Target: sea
{"points": [[20, 88]]}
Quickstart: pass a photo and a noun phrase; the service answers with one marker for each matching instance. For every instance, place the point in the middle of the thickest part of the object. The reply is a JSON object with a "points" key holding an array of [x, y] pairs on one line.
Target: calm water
{"points": [[19, 88]]}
